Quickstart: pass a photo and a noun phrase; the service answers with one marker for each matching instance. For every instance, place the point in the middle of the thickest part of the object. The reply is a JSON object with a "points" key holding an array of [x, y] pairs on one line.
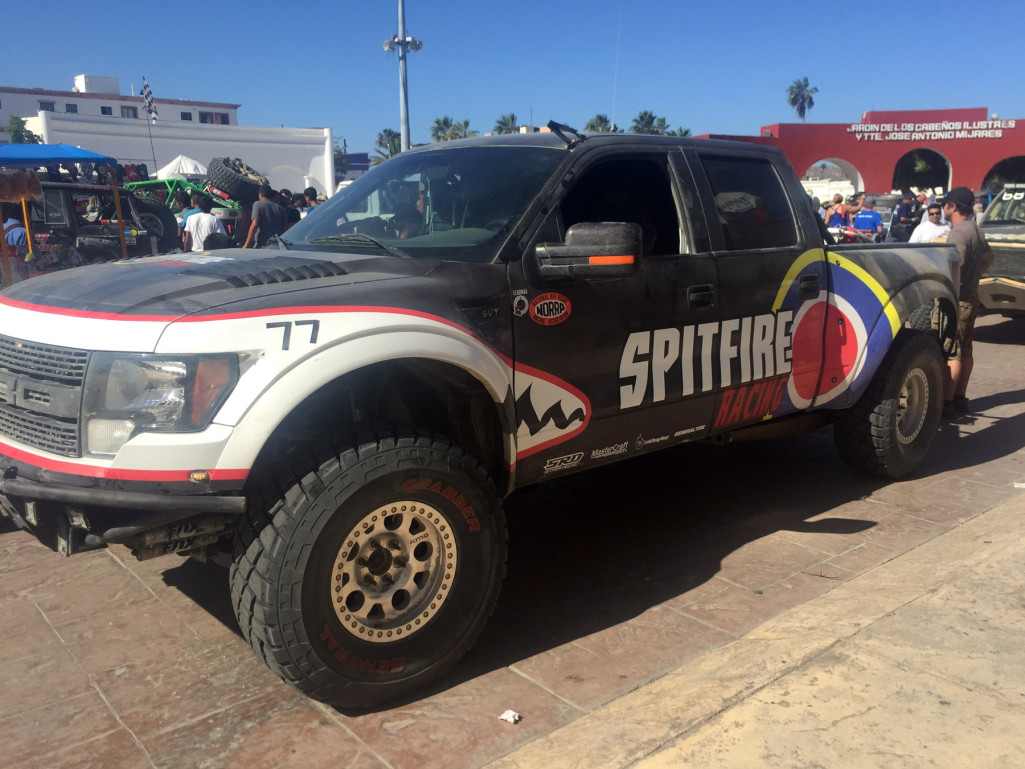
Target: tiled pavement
{"points": [[616, 578]]}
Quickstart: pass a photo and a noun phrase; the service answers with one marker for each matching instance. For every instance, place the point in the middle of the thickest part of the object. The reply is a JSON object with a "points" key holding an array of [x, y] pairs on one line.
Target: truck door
{"points": [[604, 366], [773, 292]]}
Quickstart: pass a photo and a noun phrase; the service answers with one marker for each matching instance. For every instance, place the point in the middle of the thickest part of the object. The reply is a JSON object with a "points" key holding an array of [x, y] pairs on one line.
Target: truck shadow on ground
{"points": [[596, 549]]}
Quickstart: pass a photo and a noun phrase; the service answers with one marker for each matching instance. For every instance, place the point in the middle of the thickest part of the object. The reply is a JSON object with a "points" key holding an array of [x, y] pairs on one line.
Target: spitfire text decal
{"points": [[662, 362]]}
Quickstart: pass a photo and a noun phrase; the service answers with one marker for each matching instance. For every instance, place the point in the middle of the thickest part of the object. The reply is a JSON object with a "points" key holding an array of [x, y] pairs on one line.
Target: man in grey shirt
{"points": [[976, 257], [269, 219]]}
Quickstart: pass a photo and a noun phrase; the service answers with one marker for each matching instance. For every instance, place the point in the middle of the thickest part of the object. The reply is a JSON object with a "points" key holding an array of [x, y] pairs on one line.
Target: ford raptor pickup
{"points": [[339, 416]]}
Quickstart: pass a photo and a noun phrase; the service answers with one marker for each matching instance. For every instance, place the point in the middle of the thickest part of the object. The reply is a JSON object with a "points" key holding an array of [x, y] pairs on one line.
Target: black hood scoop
{"points": [[266, 272]]}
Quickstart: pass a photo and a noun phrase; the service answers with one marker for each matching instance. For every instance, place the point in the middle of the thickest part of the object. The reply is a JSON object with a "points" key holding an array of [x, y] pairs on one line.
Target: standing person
{"points": [[903, 218], [836, 215], [932, 227], [196, 197], [201, 225], [976, 257], [268, 219], [868, 219], [310, 193], [14, 228]]}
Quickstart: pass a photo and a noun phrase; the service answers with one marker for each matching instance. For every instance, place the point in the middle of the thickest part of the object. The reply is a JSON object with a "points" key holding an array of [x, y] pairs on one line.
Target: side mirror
{"points": [[592, 250]]}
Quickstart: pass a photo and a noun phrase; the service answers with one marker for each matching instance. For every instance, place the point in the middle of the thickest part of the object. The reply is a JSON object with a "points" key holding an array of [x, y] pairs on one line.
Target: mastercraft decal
{"points": [[549, 309]]}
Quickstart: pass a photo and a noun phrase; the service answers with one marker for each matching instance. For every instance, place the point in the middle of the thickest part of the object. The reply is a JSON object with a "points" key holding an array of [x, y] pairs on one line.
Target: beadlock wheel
{"points": [[912, 406], [394, 572]]}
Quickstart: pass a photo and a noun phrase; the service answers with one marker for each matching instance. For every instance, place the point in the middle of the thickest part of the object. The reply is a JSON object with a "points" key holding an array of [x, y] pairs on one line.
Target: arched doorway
{"points": [[1010, 169], [921, 168], [829, 176]]}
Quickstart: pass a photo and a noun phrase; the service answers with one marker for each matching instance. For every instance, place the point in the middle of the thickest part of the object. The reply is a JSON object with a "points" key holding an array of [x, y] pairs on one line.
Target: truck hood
{"points": [[171, 286]]}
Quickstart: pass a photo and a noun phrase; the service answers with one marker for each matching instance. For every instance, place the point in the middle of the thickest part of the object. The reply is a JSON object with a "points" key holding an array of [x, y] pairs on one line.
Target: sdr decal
{"points": [[663, 361], [549, 309]]}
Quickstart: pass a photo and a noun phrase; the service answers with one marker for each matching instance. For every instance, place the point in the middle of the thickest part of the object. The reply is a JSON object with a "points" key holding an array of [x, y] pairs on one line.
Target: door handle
{"points": [[808, 287], [701, 297]]}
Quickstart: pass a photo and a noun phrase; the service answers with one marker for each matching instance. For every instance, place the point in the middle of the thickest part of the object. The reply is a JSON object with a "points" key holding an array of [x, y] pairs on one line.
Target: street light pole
{"points": [[404, 44]]}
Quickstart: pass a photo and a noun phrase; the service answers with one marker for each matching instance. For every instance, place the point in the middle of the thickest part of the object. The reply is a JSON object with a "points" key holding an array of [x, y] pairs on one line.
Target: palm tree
{"points": [[19, 133], [506, 124], [441, 128], [460, 130], [389, 144], [799, 96], [644, 123], [600, 124], [679, 132]]}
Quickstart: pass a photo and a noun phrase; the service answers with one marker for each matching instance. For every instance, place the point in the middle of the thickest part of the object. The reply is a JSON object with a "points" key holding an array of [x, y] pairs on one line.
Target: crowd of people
{"points": [[917, 218], [274, 212], [923, 219]]}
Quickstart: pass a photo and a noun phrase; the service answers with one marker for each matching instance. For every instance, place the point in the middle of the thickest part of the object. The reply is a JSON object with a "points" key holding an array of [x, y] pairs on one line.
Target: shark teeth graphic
{"points": [[564, 411]]}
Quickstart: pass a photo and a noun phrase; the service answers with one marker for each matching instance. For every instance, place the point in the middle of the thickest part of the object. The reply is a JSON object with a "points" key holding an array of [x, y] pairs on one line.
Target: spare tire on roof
{"points": [[235, 178]]}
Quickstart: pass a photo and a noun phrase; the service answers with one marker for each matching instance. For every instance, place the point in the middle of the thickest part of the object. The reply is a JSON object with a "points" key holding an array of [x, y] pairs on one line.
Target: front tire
{"points": [[368, 572], [888, 432]]}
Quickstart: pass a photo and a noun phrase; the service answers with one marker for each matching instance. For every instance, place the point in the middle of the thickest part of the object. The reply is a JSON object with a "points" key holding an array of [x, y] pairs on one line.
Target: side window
{"points": [[50, 210], [635, 190], [751, 203]]}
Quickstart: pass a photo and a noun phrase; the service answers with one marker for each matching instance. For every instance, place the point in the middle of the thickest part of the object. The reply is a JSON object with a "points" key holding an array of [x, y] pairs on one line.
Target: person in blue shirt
{"points": [[904, 220], [869, 220], [14, 229]]}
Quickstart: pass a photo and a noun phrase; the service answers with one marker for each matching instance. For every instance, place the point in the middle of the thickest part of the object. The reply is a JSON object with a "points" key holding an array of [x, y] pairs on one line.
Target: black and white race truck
{"points": [[339, 416]]}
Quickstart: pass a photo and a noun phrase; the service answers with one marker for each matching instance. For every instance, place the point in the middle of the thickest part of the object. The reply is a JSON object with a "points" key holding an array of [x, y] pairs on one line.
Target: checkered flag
{"points": [[147, 100]]}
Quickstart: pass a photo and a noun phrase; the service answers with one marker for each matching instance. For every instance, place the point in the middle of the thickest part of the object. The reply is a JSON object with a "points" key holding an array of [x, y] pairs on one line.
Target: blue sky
{"points": [[711, 67]]}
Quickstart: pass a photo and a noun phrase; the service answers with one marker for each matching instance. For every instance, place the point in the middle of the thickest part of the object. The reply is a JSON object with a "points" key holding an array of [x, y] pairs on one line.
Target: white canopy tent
{"points": [[182, 167]]}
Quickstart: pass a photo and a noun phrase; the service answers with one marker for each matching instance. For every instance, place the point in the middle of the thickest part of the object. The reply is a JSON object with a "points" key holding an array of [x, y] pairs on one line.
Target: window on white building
{"points": [[130, 112], [186, 116], [47, 106], [107, 111], [71, 109]]}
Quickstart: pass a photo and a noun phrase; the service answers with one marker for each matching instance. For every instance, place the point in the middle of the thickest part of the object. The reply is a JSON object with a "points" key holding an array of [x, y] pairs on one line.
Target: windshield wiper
{"points": [[280, 240], [359, 238]]}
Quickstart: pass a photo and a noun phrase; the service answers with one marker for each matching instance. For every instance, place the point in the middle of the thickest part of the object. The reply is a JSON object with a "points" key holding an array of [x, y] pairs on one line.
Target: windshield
{"points": [[456, 204], [1007, 207]]}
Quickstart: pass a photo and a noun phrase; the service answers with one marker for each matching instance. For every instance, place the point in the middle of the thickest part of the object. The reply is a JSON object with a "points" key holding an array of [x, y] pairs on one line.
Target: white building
{"points": [[97, 117]]}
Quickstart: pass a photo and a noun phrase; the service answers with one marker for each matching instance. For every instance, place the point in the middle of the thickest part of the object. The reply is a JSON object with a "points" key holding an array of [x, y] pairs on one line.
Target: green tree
{"points": [[506, 124], [19, 134], [799, 96], [647, 123], [600, 124], [644, 123], [461, 130], [444, 129], [441, 128], [389, 144]]}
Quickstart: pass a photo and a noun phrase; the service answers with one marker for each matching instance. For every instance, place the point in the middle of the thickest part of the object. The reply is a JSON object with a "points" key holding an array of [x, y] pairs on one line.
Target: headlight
{"points": [[129, 394]]}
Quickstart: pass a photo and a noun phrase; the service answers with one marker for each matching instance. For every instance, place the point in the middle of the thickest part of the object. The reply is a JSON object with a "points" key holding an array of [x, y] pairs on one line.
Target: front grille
{"points": [[41, 432], [57, 364], [1008, 262], [38, 372]]}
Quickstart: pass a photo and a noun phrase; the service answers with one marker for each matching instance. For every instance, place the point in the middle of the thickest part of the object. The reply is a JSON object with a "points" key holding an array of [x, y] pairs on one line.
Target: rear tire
{"points": [[368, 572], [889, 430], [159, 222]]}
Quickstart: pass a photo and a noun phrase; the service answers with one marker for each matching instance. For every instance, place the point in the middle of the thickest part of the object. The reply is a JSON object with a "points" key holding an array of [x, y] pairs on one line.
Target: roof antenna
{"points": [[561, 130]]}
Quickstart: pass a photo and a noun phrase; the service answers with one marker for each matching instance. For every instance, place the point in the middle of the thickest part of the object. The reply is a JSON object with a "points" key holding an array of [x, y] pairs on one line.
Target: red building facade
{"points": [[971, 142]]}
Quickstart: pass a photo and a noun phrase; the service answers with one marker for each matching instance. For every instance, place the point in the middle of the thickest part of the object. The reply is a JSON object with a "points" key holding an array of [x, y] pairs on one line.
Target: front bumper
{"points": [[72, 514], [1002, 295]]}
